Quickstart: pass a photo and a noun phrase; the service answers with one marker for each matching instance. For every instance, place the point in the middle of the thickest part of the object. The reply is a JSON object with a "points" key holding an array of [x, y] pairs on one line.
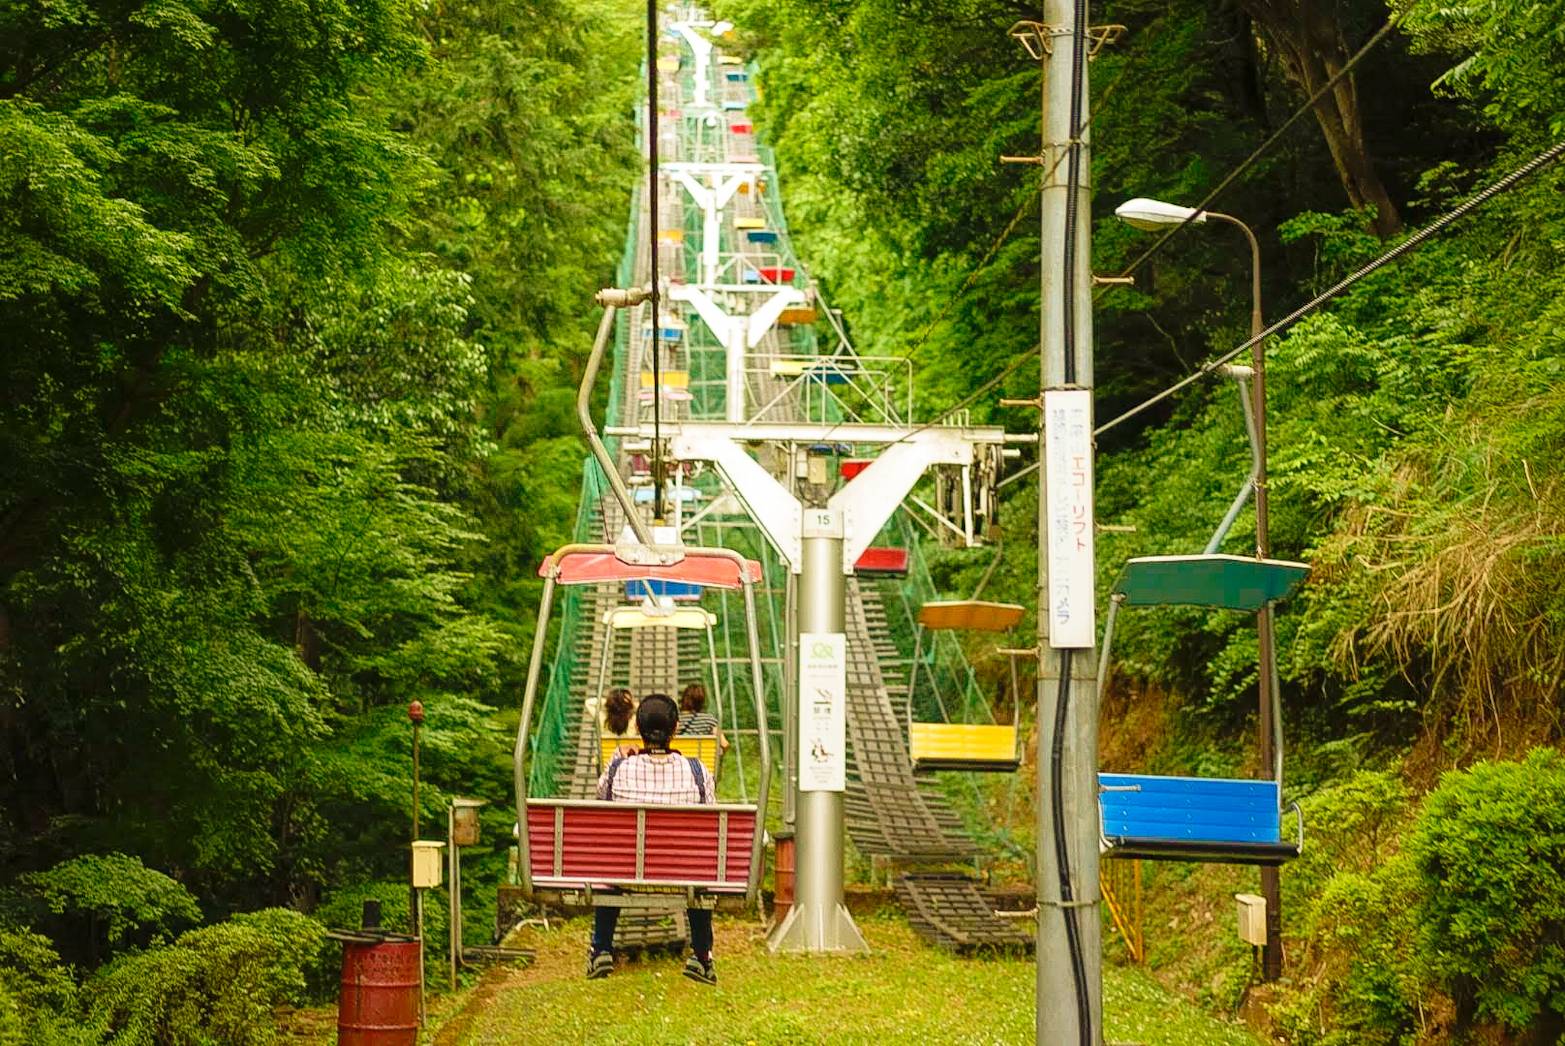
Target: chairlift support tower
{"points": [[820, 543]]}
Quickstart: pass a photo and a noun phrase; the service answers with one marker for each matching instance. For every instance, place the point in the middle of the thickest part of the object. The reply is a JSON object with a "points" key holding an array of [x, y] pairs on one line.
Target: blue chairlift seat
{"points": [[761, 235], [1194, 819], [750, 276], [680, 590], [1221, 820], [733, 106], [736, 76]]}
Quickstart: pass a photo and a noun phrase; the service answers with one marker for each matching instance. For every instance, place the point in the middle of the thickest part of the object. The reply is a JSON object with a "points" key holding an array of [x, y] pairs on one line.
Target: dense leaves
{"points": [[290, 294]]}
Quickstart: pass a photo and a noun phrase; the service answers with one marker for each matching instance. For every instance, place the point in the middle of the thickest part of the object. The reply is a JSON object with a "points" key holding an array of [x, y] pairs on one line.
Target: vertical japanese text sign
{"points": [[1068, 472], [823, 722]]}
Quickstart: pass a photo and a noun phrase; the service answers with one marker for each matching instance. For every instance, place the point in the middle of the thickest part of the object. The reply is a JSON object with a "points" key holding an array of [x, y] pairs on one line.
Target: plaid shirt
{"points": [[663, 777]]}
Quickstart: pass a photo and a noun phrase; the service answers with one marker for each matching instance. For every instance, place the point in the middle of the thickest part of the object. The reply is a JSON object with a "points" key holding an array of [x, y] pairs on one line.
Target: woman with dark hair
{"points": [[655, 775], [693, 717], [617, 722]]}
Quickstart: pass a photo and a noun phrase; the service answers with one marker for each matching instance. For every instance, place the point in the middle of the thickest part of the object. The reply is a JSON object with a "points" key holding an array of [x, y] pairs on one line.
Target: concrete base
{"points": [[818, 930]]}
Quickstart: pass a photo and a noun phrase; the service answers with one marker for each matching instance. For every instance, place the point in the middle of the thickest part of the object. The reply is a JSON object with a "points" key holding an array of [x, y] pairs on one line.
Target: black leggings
{"points": [[605, 918]]}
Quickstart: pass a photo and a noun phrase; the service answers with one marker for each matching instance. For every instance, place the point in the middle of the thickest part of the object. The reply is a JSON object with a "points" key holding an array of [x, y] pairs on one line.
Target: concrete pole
{"points": [[1058, 1004], [819, 920]]}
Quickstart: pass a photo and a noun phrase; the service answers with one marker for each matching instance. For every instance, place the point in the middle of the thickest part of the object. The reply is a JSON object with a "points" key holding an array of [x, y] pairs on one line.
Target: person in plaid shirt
{"points": [[655, 775]]}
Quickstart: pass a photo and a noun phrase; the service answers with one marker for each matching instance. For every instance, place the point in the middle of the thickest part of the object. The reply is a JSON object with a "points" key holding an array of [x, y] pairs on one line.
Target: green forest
{"points": [[295, 296]]}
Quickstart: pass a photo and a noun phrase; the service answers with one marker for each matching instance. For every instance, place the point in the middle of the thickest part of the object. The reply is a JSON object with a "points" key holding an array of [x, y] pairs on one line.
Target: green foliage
{"points": [[218, 984], [1488, 854], [99, 904]]}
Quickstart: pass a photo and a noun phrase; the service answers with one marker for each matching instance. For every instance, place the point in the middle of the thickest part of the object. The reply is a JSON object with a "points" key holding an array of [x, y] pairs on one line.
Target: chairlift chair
{"points": [[581, 853], [1218, 820], [946, 745], [665, 614]]}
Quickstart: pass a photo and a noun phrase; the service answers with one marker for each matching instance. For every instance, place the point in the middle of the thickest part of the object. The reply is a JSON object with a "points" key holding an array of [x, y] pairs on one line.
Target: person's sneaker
{"points": [[599, 965], [698, 969]]}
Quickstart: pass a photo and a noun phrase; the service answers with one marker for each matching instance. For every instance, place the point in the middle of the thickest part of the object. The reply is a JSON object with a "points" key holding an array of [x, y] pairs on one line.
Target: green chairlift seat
{"points": [[1194, 819]]}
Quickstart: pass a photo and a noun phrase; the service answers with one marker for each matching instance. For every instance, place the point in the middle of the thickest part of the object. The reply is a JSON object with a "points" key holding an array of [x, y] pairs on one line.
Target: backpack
{"points": [[697, 771]]}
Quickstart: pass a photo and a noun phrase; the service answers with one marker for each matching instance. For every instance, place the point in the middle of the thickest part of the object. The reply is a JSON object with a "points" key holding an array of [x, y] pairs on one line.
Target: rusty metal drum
{"points": [[379, 1001]]}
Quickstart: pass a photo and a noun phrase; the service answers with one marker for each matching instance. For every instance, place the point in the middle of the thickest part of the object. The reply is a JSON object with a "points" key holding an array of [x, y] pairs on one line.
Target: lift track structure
{"points": [[760, 403]]}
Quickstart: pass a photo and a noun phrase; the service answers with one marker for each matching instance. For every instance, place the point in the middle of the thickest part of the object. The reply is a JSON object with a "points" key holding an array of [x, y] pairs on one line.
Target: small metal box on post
{"points": [[1252, 918], [461, 830]]}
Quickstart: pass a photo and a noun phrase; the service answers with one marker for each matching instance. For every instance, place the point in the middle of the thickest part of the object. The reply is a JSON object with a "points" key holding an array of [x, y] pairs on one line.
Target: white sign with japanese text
{"points": [[1067, 446], [823, 711]]}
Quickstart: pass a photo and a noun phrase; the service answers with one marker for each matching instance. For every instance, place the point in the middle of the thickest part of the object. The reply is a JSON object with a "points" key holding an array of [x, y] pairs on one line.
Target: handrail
{"points": [[589, 378]]}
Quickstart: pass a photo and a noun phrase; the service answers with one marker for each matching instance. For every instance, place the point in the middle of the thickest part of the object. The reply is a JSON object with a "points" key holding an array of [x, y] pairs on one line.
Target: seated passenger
{"points": [[655, 775], [694, 720], [617, 721]]}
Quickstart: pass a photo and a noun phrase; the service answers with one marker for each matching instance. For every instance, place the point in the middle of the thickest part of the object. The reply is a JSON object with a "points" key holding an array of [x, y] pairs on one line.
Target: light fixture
{"points": [[1151, 215]]}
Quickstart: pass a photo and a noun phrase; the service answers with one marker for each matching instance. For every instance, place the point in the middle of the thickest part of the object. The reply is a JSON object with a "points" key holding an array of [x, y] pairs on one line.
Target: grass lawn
{"points": [[903, 992]]}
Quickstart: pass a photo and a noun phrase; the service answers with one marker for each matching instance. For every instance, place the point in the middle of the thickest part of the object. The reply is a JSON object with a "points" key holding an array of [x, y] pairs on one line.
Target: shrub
{"points": [[216, 985], [99, 904], [37, 994], [1488, 854]]}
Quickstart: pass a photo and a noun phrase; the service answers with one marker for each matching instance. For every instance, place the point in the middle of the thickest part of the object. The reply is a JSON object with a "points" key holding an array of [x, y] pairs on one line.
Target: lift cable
{"points": [[1264, 147], [654, 301], [1407, 246]]}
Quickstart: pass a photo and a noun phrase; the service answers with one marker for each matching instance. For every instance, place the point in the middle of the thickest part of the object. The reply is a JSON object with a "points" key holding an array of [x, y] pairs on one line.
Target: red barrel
{"points": [[379, 1001], [783, 880]]}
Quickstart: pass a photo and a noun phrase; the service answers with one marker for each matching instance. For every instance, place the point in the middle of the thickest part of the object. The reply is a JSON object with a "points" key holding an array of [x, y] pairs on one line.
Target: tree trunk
{"points": [[1310, 44]]}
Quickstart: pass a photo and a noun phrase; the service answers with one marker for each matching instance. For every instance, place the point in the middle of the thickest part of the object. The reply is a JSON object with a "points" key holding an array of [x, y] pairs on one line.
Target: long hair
{"points": [[617, 707], [692, 698], [656, 718]]}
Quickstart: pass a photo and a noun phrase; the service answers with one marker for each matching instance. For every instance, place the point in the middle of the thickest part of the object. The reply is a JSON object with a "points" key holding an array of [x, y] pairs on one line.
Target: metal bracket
{"points": [[1113, 281], [1037, 37], [1036, 403], [621, 298]]}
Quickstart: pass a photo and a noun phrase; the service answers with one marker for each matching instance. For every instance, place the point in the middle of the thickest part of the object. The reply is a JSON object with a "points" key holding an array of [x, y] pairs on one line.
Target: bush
{"points": [[1488, 854], [37, 994], [216, 985], [99, 904]]}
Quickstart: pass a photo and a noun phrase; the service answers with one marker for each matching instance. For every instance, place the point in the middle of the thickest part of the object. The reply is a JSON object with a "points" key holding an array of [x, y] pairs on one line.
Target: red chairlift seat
{"points": [[853, 466], [586, 853], [598, 564], [583, 846], [882, 562], [776, 273], [741, 127]]}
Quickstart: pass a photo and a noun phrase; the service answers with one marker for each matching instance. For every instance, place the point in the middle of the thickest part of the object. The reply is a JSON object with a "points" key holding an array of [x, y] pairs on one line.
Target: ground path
{"points": [[905, 991]]}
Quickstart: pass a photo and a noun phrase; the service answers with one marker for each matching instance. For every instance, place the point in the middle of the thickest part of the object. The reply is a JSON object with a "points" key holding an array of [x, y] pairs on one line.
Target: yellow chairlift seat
{"points": [[651, 614], [729, 59], [668, 64], [749, 223], [972, 747], [672, 379], [672, 235]]}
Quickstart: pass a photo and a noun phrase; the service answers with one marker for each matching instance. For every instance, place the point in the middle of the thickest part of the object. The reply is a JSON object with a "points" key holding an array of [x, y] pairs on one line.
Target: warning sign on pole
{"points": [[1068, 472], [823, 713]]}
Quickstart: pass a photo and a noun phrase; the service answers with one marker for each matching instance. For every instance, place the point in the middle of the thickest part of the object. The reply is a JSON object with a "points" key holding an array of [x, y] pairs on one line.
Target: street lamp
{"points": [[1152, 216]]}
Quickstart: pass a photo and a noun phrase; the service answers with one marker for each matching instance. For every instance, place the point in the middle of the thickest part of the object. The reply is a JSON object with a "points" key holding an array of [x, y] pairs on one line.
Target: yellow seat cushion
{"points": [[700, 747], [749, 223], [962, 743]]}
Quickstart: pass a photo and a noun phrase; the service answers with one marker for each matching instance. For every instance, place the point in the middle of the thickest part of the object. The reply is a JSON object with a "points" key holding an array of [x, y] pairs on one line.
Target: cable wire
{"points": [[1260, 150], [1407, 246]]}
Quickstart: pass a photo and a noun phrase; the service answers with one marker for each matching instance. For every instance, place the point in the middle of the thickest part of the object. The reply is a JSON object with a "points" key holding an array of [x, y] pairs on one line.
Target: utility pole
{"points": [[1070, 946]]}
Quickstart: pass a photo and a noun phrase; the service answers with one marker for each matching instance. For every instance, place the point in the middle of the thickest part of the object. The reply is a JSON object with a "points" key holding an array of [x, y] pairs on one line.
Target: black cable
{"points": [[1062, 699], [1407, 246], [652, 206], [1260, 150]]}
